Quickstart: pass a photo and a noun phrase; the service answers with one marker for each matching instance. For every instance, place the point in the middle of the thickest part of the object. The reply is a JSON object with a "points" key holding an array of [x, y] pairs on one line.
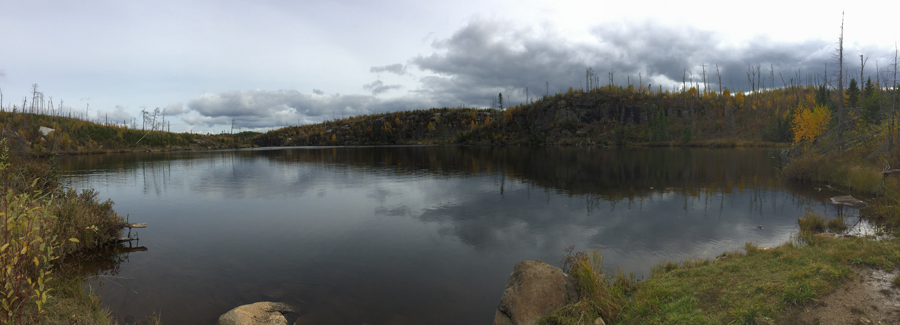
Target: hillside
{"points": [[603, 116], [71, 135]]}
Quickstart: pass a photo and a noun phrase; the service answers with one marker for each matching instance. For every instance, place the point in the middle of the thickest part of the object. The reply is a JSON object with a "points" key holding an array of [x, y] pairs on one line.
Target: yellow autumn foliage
{"points": [[809, 123]]}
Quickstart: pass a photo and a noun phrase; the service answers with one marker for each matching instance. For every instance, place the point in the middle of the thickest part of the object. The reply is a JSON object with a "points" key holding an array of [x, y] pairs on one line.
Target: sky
{"points": [[263, 65]]}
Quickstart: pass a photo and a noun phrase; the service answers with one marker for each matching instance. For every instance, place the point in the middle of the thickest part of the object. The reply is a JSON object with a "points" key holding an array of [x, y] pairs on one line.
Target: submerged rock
{"points": [[848, 201], [534, 289], [260, 313]]}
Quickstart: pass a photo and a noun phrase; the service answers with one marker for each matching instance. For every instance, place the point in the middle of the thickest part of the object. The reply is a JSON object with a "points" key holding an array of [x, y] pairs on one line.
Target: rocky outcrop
{"points": [[534, 289], [260, 313], [45, 130]]}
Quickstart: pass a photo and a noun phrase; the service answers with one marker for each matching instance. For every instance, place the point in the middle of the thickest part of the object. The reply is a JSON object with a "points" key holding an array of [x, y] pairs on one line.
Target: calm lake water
{"points": [[413, 235]]}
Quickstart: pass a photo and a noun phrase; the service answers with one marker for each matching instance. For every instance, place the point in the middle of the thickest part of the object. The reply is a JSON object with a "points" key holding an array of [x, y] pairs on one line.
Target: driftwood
{"points": [[886, 171]]}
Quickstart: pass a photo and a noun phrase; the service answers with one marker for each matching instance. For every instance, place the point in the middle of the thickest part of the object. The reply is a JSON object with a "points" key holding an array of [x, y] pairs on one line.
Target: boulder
{"points": [[45, 130], [534, 289], [260, 313]]}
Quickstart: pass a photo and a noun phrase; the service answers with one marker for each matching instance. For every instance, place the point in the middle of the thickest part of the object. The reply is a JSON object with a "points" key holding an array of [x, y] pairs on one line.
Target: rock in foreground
{"points": [[534, 289], [260, 313]]}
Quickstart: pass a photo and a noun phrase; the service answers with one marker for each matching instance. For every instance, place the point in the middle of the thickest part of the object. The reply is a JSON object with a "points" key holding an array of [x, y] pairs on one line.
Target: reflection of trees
{"points": [[103, 261], [611, 174]]}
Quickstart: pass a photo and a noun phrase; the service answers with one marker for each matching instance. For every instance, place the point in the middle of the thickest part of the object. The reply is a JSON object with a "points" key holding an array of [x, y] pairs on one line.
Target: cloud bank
{"points": [[486, 57], [264, 109]]}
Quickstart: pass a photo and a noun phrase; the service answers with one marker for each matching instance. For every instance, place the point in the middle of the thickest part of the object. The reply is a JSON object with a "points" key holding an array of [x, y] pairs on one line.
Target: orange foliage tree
{"points": [[809, 123]]}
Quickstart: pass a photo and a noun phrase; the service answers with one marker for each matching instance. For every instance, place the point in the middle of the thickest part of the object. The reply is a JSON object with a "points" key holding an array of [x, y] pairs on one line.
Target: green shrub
{"points": [[837, 225], [811, 222]]}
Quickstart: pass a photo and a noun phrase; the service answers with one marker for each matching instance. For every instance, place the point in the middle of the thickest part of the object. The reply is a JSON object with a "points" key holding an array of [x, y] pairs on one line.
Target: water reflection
{"points": [[418, 234]]}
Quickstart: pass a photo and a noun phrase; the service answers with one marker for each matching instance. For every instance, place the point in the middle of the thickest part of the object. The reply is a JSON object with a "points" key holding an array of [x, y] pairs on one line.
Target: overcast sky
{"points": [[267, 64]]}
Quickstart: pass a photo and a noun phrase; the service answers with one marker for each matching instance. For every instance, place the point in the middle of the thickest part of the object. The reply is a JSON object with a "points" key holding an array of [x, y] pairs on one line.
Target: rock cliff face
{"points": [[534, 289]]}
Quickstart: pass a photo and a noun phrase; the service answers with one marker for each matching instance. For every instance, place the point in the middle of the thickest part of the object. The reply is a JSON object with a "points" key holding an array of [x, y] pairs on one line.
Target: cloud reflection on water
{"points": [[348, 227]]}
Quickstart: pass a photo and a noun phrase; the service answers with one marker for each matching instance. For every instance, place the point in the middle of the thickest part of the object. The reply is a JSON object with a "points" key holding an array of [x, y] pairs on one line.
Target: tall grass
{"points": [[812, 222], [601, 293], [843, 171]]}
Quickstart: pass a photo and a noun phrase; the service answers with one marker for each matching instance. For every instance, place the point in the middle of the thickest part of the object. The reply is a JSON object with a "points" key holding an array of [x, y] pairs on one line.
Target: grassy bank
{"points": [[755, 286]]}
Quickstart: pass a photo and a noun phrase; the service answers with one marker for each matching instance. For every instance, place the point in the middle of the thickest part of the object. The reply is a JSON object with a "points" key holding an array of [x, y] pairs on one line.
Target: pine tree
{"points": [[853, 94], [869, 88]]}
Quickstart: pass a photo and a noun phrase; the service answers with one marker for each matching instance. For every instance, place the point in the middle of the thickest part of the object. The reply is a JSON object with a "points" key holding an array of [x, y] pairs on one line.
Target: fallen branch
{"points": [[133, 225]]}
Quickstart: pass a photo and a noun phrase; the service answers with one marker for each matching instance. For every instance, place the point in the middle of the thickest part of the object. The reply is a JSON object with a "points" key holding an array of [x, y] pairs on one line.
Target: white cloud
{"points": [[117, 115]]}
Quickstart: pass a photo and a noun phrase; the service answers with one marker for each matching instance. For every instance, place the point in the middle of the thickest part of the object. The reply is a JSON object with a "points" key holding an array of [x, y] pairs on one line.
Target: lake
{"points": [[413, 234]]}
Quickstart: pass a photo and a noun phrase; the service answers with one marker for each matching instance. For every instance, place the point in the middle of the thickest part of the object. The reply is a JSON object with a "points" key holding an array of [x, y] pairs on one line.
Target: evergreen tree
{"points": [[869, 88], [853, 94], [822, 94]]}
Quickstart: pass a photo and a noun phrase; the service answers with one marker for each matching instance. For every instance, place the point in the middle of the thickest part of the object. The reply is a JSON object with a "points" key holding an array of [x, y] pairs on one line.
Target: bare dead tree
{"points": [[840, 57], [34, 88], [705, 85], [683, 86], [612, 80], [862, 68], [894, 94], [749, 79]]}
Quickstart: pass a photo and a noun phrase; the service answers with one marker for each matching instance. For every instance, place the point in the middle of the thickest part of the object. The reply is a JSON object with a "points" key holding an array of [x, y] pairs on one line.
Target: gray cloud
{"points": [[318, 92], [2, 73], [378, 87], [262, 108], [486, 57], [392, 68], [175, 109]]}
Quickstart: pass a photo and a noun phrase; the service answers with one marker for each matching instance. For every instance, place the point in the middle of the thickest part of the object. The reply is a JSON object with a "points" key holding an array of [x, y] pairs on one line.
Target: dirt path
{"points": [[870, 298]]}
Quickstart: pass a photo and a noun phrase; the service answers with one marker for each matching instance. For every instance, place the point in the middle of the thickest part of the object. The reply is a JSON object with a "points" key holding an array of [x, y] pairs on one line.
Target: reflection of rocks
{"points": [[262, 313], [534, 289]]}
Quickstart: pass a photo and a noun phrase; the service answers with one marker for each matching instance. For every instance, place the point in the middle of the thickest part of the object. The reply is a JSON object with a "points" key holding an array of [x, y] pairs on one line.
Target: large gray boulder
{"points": [[534, 289], [260, 313]]}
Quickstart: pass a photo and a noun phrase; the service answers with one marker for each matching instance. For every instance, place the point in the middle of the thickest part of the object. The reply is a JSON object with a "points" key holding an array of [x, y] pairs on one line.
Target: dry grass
{"points": [[836, 225], [840, 170]]}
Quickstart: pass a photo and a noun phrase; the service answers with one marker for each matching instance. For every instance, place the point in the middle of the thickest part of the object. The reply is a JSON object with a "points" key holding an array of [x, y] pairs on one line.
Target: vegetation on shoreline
{"points": [[42, 222], [755, 286]]}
